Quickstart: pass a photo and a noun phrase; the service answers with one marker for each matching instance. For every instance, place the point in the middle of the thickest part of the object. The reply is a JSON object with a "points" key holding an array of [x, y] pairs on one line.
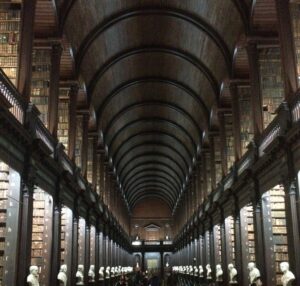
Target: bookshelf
{"points": [[248, 222], [81, 241], [275, 203], [92, 245], [218, 166], [10, 17], [41, 64], [63, 118], [78, 145], [207, 248], [245, 117], [89, 175], [295, 15], [41, 233], [208, 173], [217, 244], [66, 237], [229, 140], [229, 221], [271, 82]]}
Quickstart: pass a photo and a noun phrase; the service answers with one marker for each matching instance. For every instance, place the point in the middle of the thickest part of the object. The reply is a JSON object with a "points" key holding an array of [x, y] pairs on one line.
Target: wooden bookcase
{"points": [[275, 225], [207, 249], [10, 17], [271, 82], [42, 233], [218, 166], [245, 117], [63, 118], [9, 214], [92, 246], [229, 140], [89, 175], [78, 145], [229, 221], [66, 239], [41, 65], [217, 244]]}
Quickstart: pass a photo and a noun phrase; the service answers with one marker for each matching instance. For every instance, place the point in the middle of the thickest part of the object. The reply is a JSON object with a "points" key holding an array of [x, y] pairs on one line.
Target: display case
{"points": [[42, 234], [9, 214], [66, 239], [10, 17], [271, 82], [41, 65]]}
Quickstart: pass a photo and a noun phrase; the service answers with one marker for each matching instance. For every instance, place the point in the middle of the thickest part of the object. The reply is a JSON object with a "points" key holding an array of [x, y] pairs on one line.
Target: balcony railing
{"points": [[43, 133], [295, 109], [11, 94]]}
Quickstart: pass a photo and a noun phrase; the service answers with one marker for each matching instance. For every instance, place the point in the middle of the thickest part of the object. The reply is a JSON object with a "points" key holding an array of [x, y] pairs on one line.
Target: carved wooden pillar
{"points": [[72, 121], [287, 48], [256, 96], [56, 236], [97, 253], [212, 162], [26, 47], [223, 144], [74, 245], [236, 121], [95, 163], [54, 89], [27, 189]]}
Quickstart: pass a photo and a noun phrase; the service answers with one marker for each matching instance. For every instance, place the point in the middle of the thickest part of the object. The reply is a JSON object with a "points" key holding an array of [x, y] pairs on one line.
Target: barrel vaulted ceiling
{"points": [[153, 71]]}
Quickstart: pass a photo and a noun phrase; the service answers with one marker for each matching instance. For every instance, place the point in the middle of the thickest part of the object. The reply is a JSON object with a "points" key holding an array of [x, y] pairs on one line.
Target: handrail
{"points": [[43, 133], [12, 95], [67, 163], [295, 109], [245, 161]]}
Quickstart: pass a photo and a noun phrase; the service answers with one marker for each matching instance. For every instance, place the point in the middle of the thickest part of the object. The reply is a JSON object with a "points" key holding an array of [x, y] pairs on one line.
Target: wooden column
{"points": [[256, 96], [56, 237], [74, 246], [27, 189], [84, 146], [26, 47], [54, 89], [97, 253], [287, 48], [204, 175], [236, 121], [225, 250], [223, 144], [72, 121], [95, 163]]}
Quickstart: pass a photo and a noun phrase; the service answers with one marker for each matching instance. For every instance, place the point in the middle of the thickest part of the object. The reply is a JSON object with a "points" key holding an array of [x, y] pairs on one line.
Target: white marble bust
{"points": [[107, 273], [190, 270], [208, 272], [112, 272], [287, 274], [101, 273], [196, 271], [201, 271], [80, 275], [62, 275], [254, 273], [219, 273], [232, 274], [91, 273], [33, 277]]}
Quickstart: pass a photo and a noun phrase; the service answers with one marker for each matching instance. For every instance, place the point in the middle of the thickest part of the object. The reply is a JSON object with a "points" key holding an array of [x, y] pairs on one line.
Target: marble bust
{"points": [[232, 274], [101, 273], [62, 275], [287, 276], [190, 270], [107, 273], [254, 274], [80, 275], [91, 273], [33, 277], [112, 272], [201, 271], [208, 272], [219, 273], [196, 271]]}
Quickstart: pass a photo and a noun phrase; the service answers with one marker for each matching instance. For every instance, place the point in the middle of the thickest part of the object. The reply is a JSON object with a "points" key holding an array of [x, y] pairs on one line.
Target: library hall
{"points": [[150, 142]]}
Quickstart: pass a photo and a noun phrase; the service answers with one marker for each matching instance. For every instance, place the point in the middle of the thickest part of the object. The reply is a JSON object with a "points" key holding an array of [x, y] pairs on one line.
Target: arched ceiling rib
{"points": [[153, 70]]}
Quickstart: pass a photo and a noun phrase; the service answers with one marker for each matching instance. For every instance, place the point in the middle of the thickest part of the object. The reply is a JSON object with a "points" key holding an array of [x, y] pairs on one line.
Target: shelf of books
{"points": [[89, 174], [218, 166], [271, 82], [229, 221], [9, 213], [78, 145], [81, 241], [245, 117], [217, 244], [10, 18], [63, 118], [208, 173], [41, 65], [66, 238], [275, 204], [229, 140], [42, 233], [295, 15]]}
